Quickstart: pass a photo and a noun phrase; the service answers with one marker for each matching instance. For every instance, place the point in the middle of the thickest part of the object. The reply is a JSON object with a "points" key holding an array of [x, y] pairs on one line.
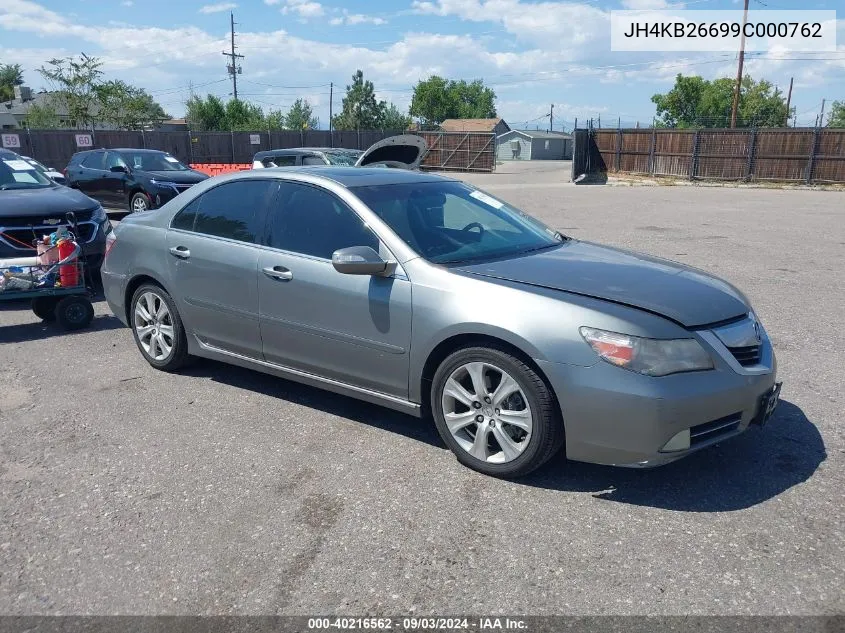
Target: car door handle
{"points": [[180, 251], [278, 272]]}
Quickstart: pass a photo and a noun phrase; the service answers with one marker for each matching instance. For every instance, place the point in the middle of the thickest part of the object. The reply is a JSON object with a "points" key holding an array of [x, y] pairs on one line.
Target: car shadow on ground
{"points": [[315, 398], [740, 473]]}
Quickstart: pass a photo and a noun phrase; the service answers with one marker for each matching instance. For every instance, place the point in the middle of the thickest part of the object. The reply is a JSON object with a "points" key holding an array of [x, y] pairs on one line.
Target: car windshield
{"points": [[346, 159], [152, 161], [450, 222], [16, 173]]}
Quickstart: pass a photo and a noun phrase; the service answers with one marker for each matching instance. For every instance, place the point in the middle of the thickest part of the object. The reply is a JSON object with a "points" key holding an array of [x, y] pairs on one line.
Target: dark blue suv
{"points": [[32, 206], [130, 179]]}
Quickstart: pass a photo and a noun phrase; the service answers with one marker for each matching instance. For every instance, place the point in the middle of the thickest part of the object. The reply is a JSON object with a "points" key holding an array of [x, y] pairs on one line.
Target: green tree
{"points": [[244, 116], [275, 120], [127, 107], [11, 75], [301, 116], [394, 119], [42, 117], [207, 114], [437, 99], [360, 108], [836, 118], [697, 102], [74, 82]]}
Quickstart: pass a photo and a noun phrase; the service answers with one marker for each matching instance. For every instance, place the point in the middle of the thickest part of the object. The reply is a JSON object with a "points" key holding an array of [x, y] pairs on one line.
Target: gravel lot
{"points": [[223, 491]]}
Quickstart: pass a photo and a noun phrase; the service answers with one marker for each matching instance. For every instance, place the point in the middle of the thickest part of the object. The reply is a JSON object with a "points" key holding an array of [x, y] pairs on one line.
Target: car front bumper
{"points": [[621, 418]]}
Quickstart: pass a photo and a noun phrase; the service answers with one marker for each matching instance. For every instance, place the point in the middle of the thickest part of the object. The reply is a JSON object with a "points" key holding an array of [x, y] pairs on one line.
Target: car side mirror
{"points": [[361, 260], [119, 169]]}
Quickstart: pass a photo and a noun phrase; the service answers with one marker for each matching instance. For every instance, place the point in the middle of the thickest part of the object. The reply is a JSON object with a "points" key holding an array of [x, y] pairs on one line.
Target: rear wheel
{"points": [[45, 308], [157, 328], [140, 202], [495, 412], [74, 313]]}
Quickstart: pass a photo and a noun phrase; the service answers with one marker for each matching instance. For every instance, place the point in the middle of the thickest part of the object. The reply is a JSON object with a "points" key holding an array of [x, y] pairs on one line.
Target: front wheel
{"points": [[157, 328], [495, 412]]}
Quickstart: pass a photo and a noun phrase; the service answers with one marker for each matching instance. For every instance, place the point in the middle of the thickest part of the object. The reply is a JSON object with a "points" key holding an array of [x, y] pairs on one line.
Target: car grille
{"points": [[715, 429], [18, 237], [746, 356]]}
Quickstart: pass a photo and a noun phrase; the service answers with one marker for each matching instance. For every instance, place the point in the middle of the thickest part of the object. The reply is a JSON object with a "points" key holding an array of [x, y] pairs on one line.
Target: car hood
{"points": [[47, 200], [190, 177], [684, 294], [405, 151]]}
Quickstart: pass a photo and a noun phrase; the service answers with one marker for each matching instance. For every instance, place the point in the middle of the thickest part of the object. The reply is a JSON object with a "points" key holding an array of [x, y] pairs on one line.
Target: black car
{"points": [[131, 179], [32, 206]]}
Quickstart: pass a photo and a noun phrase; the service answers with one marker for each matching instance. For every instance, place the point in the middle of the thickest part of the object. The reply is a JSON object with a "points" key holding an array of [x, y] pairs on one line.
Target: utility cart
{"points": [[54, 282]]}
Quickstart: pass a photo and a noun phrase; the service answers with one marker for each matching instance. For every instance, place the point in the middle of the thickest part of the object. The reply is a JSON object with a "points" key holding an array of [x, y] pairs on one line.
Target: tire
{"points": [[45, 308], [530, 415], [74, 312], [140, 202], [166, 328]]}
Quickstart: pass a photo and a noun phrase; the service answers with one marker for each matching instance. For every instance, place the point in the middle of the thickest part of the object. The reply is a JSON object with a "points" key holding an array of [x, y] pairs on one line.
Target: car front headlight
{"points": [[99, 214], [649, 356], [163, 183]]}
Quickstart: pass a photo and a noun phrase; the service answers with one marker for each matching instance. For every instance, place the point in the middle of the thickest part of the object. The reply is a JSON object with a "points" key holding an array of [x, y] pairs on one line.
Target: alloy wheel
{"points": [[139, 204], [487, 412], [153, 324]]}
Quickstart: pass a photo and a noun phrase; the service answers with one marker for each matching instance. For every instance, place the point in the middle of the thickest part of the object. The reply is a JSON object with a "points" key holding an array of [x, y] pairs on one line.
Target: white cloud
{"points": [[303, 8], [569, 28], [218, 8], [645, 5], [127, 3], [356, 18]]}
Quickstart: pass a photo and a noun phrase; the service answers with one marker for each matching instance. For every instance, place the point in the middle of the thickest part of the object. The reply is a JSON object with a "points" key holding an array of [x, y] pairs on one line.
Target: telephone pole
{"points": [[233, 67], [552, 119], [788, 102], [821, 116], [739, 67]]}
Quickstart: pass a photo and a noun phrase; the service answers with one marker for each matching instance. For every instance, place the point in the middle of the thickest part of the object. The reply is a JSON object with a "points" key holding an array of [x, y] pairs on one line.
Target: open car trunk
{"points": [[404, 151]]}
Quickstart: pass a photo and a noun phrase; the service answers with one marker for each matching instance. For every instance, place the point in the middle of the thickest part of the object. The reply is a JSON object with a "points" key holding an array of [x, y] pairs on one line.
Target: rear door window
{"points": [[94, 160], [233, 210]]}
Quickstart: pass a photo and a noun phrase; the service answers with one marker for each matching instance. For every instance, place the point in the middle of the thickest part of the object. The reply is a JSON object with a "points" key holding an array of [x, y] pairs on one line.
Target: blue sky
{"points": [[532, 53]]}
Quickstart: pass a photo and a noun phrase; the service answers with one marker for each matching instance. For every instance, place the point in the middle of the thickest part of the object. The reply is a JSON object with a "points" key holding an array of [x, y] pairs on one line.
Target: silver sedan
{"points": [[429, 296]]}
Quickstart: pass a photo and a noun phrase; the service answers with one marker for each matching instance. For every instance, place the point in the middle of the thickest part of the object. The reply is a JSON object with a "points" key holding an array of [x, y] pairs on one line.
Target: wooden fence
{"points": [[806, 155], [456, 151]]}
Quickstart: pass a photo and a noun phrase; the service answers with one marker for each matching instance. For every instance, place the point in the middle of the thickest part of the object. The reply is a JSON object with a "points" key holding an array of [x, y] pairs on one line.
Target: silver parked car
{"points": [[426, 295]]}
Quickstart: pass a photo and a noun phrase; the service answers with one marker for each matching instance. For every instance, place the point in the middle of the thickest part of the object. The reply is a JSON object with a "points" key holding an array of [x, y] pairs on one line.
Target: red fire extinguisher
{"points": [[68, 273]]}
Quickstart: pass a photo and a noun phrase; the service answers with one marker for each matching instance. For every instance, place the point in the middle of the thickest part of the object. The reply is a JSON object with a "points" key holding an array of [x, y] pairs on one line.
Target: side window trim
{"points": [[264, 242]]}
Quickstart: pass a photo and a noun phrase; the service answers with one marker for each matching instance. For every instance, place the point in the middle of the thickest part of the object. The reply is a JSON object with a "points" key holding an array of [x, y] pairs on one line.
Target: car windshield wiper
{"points": [[538, 248]]}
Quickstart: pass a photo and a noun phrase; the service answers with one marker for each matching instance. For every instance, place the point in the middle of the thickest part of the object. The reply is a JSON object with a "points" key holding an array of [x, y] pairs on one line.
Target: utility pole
{"points": [[788, 102], [552, 118], [233, 67], [821, 116], [739, 67], [331, 98]]}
